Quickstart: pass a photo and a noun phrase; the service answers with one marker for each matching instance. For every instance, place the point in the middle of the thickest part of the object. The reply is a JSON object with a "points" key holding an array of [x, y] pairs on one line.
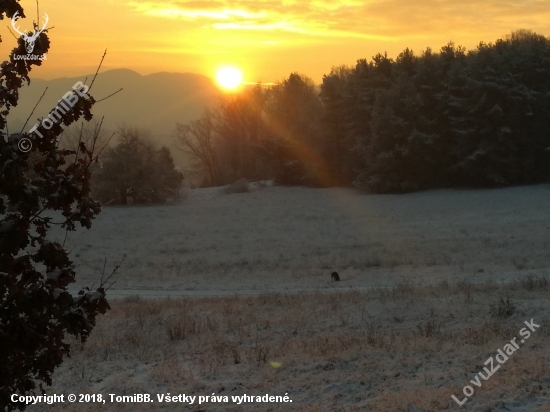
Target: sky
{"points": [[266, 39]]}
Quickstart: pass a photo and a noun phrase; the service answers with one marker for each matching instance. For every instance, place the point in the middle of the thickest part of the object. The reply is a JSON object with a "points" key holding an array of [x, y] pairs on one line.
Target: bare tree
{"points": [[240, 123], [198, 139], [136, 168], [86, 132]]}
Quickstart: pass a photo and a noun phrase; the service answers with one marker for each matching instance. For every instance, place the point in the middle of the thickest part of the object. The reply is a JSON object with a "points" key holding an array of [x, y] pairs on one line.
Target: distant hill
{"points": [[156, 101]]}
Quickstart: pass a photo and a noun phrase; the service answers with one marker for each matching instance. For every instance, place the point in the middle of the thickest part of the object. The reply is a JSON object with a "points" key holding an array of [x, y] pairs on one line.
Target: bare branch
{"points": [[37, 103], [97, 71], [112, 94]]}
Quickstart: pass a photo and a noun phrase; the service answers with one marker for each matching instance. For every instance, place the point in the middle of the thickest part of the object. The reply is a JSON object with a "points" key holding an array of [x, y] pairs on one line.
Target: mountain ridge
{"points": [[155, 102]]}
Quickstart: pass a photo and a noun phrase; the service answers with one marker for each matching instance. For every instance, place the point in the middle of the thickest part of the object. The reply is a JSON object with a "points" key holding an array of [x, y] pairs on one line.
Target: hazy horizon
{"points": [[154, 102]]}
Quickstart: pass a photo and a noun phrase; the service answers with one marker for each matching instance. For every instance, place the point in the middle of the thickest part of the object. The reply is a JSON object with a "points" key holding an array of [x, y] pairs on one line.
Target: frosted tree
{"points": [[136, 168], [39, 189]]}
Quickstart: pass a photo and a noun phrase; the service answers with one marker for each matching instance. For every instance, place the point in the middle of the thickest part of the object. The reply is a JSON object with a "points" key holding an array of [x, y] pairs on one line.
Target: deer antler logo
{"points": [[29, 40]]}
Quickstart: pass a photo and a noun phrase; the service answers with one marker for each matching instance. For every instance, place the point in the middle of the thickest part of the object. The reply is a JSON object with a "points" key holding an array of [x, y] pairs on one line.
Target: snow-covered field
{"points": [[432, 285], [291, 238]]}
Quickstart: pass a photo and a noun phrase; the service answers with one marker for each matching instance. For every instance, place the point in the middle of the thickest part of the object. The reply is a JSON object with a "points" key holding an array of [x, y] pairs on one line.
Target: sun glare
{"points": [[229, 77]]}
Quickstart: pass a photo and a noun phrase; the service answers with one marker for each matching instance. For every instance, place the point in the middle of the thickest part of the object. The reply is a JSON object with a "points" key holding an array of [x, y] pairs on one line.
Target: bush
{"points": [[504, 309]]}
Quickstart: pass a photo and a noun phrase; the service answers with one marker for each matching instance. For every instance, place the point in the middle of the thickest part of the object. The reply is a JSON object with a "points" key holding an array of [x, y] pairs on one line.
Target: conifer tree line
{"points": [[452, 118]]}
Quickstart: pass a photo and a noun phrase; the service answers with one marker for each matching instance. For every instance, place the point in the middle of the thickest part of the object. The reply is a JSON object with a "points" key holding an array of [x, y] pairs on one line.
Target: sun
{"points": [[229, 77]]}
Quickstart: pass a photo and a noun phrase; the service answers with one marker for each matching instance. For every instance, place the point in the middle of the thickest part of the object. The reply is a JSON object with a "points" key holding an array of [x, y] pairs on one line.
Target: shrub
{"points": [[504, 309]]}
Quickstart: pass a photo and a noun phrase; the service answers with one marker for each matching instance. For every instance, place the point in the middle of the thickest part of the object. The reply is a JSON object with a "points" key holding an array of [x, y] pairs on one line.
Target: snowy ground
{"points": [[291, 238], [415, 317], [404, 349]]}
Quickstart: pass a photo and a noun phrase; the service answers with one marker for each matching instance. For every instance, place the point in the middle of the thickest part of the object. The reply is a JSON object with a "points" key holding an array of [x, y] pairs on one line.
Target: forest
{"points": [[452, 118]]}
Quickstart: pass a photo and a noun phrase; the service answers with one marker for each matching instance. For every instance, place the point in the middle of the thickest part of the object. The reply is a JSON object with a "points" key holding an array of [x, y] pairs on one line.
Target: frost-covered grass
{"points": [[423, 300], [291, 238], [399, 349]]}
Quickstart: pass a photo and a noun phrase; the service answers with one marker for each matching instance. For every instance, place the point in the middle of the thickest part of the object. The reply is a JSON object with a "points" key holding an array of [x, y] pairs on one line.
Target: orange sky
{"points": [[268, 39]]}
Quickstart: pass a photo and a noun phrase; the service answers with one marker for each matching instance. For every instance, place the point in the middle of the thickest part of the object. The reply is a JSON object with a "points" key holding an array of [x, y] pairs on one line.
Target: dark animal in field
{"points": [[334, 276]]}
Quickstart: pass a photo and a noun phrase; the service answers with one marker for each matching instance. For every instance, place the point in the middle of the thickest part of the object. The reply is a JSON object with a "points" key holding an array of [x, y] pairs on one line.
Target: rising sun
{"points": [[229, 77]]}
